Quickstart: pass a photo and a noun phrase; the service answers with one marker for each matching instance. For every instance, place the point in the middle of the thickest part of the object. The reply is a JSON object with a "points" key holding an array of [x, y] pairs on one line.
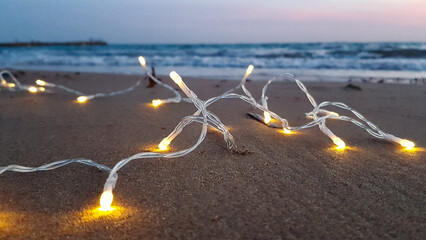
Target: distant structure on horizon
{"points": [[38, 44]]}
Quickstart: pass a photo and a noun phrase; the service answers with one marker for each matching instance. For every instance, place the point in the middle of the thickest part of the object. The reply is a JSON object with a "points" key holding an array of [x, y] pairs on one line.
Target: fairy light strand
{"points": [[41, 87], [157, 102], [318, 117], [54, 165], [84, 97], [15, 85]]}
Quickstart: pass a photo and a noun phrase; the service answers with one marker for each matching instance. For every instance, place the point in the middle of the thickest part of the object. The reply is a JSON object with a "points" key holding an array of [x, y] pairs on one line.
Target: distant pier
{"points": [[39, 44]]}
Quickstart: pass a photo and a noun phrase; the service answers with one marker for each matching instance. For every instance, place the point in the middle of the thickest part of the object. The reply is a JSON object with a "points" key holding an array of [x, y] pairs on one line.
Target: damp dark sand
{"points": [[274, 186]]}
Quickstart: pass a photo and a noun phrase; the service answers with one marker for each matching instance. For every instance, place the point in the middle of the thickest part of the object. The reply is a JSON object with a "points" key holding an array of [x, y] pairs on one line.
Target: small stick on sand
{"points": [[152, 83]]}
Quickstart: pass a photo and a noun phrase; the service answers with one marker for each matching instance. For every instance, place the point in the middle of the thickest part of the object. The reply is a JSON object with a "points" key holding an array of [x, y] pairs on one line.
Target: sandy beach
{"points": [[274, 186]]}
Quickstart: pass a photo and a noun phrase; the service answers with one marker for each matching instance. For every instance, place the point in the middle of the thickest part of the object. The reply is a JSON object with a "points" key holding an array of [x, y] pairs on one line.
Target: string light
{"points": [[16, 85], [267, 117], [164, 144], [318, 115], [142, 61], [409, 145], [157, 102], [106, 201], [32, 89], [286, 131], [54, 165], [42, 83], [249, 70], [82, 99], [339, 143], [82, 96]]}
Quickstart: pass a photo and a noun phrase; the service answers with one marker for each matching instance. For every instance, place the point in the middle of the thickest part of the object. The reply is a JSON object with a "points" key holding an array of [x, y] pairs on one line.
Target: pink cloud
{"points": [[412, 15]]}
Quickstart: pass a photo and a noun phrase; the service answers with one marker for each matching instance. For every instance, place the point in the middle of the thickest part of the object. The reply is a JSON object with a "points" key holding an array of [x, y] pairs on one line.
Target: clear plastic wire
{"points": [[88, 96], [318, 117], [54, 165], [178, 98], [15, 85]]}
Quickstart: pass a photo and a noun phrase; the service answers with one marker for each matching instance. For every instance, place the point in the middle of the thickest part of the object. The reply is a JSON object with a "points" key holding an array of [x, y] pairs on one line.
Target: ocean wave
{"points": [[350, 56]]}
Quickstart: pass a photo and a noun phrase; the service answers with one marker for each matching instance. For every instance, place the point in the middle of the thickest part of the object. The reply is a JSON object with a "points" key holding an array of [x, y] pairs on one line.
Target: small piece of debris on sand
{"points": [[351, 86]]}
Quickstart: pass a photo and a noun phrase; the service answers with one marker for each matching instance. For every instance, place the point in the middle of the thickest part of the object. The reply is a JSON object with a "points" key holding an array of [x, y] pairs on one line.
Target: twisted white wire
{"points": [[208, 119], [320, 115], [16, 85], [54, 165], [88, 96], [66, 89], [178, 98]]}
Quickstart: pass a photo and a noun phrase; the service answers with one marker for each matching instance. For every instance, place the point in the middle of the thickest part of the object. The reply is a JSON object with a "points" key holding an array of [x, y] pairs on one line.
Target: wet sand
{"points": [[274, 186]]}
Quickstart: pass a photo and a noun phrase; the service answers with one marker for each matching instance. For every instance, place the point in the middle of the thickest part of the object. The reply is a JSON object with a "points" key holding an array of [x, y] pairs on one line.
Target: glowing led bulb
{"points": [[156, 102], [249, 69], [334, 114], [286, 131], [164, 144], [142, 61], [32, 89], [82, 99], [106, 200], [407, 144], [42, 89], [11, 85], [175, 77], [339, 143], [266, 117], [40, 82]]}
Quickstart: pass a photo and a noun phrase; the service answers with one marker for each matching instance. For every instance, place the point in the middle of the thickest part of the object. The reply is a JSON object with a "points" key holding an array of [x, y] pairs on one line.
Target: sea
{"points": [[336, 61]]}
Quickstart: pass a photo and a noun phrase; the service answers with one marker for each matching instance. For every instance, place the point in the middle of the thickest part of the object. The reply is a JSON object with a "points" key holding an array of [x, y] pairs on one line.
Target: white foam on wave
{"points": [[226, 61]]}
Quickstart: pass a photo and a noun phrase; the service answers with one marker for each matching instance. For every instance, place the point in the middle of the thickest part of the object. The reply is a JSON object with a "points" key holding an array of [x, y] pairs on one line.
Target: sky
{"points": [[213, 21]]}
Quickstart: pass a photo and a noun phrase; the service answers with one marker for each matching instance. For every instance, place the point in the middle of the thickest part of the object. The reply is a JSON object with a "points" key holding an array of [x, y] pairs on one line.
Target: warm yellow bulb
{"points": [[42, 89], [32, 89], [40, 82], [334, 113], [339, 142], [175, 77], [142, 61], [407, 144], [286, 131], [156, 102], [11, 85], [164, 144], [249, 69], [82, 99], [266, 117], [106, 201]]}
